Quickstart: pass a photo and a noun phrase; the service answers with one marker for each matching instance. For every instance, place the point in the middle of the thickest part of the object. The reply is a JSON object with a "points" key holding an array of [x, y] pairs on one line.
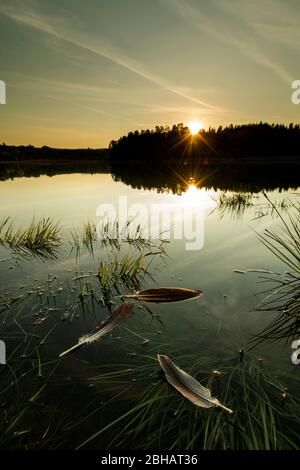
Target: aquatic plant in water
{"points": [[232, 204], [283, 298], [156, 417], [40, 239]]}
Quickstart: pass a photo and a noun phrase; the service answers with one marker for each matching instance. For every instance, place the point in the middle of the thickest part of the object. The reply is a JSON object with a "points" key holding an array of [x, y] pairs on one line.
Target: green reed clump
{"points": [[26, 420], [123, 274], [284, 295], [110, 234], [85, 239], [233, 204], [265, 416], [285, 243], [40, 239]]}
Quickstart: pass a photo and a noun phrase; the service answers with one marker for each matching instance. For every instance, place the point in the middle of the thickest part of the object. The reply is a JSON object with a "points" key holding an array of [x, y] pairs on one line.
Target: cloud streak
{"points": [[273, 20], [54, 27], [58, 90], [247, 46]]}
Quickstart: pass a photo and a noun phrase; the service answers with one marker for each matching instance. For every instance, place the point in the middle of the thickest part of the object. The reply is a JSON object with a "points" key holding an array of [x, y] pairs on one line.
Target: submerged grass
{"points": [[235, 205], [110, 234], [40, 239], [232, 204], [264, 417], [84, 239], [26, 420], [283, 297], [123, 274], [131, 399]]}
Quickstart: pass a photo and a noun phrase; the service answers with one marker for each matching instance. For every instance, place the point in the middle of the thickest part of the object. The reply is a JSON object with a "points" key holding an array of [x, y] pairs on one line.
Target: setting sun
{"points": [[194, 127]]}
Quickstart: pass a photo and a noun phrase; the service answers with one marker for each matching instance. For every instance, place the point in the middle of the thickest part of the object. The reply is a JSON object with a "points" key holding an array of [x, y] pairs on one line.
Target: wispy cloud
{"points": [[27, 15], [95, 110], [70, 93], [80, 94], [182, 110], [273, 20], [59, 86], [224, 33]]}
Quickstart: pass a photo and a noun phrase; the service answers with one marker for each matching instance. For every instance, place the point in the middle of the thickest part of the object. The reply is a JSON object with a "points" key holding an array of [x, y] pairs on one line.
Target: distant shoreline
{"points": [[203, 161], [10, 153], [246, 144]]}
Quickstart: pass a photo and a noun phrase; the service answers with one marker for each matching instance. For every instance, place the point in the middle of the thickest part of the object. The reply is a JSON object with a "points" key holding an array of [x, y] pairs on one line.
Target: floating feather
{"points": [[189, 387], [120, 313], [164, 294]]}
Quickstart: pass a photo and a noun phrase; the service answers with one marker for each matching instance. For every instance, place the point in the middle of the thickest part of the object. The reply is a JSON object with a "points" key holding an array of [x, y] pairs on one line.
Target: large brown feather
{"points": [[165, 294]]}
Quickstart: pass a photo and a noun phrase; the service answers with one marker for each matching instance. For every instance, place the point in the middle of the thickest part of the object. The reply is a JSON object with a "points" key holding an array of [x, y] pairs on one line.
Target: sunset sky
{"points": [[80, 73]]}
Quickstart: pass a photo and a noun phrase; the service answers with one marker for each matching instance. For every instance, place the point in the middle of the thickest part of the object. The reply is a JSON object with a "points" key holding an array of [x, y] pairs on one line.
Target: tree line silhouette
{"points": [[164, 158], [232, 143], [238, 143], [29, 153]]}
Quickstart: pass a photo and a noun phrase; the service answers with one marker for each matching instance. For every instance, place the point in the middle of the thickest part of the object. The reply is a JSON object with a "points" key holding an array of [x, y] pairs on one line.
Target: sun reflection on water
{"points": [[195, 197]]}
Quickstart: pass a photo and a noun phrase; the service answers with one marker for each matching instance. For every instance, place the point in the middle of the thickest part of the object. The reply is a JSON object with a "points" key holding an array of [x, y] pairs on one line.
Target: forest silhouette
{"points": [[248, 157], [251, 142], [238, 143]]}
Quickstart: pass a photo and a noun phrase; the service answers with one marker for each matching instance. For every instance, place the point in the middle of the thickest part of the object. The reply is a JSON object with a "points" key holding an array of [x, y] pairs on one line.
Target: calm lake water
{"points": [[215, 326]]}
